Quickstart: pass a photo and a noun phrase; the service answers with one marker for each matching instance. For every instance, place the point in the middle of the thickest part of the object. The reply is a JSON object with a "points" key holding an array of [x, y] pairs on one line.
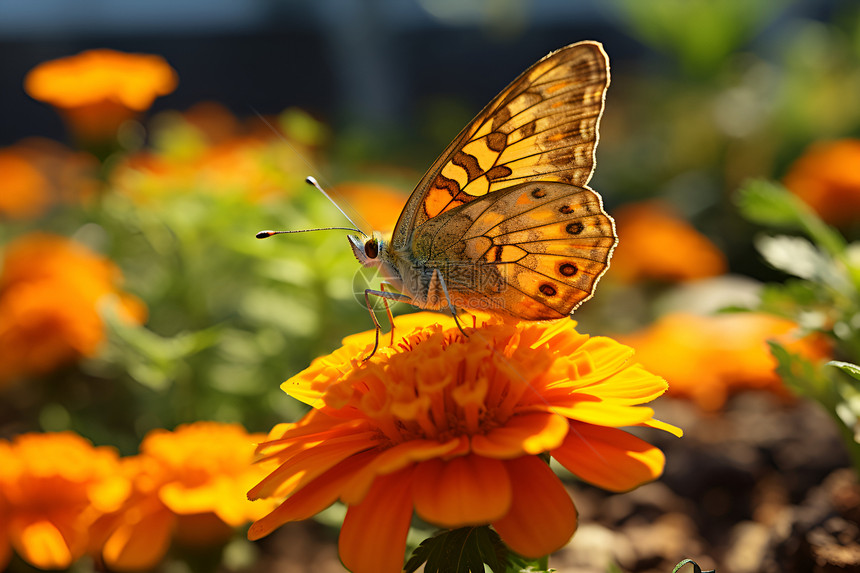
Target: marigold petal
{"points": [[284, 439], [602, 413], [610, 354], [373, 536], [304, 390], [310, 463], [633, 385], [221, 496], [542, 516], [530, 433], [311, 499], [141, 544], [658, 425], [42, 544], [397, 458], [609, 458], [469, 490]]}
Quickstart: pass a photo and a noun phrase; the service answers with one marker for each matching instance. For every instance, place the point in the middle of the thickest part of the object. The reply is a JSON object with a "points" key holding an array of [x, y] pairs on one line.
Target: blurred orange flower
{"points": [[53, 487], [827, 178], [452, 427], [708, 358], [188, 484], [655, 244], [23, 190], [97, 90], [379, 204], [244, 166], [38, 173], [214, 121], [50, 288]]}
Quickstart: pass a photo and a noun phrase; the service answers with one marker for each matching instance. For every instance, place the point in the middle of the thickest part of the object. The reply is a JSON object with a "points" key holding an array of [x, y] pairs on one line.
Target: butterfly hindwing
{"points": [[541, 127], [534, 251]]}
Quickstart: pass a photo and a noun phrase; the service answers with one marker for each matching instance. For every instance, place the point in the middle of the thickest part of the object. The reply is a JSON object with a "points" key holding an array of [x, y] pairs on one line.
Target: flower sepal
{"points": [[468, 550]]}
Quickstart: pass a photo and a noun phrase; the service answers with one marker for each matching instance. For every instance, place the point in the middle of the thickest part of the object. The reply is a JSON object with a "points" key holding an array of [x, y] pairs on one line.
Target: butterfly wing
{"points": [[534, 251], [543, 126]]}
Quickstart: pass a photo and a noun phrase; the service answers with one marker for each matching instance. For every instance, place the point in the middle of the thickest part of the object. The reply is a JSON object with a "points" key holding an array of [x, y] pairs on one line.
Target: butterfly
{"points": [[504, 220]]}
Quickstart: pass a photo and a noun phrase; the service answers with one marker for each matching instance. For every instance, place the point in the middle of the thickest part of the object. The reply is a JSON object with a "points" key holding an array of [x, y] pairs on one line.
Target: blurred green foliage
{"points": [[822, 295]]}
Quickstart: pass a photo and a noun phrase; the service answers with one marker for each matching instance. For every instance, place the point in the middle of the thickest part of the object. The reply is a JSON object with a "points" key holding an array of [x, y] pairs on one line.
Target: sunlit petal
{"points": [[43, 544], [138, 544], [522, 434], [311, 499], [308, 464], [609, 458]]}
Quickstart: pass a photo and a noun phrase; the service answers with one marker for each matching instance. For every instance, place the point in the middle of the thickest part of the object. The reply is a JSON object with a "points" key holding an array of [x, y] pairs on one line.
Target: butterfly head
{"points": [[368, 250]]}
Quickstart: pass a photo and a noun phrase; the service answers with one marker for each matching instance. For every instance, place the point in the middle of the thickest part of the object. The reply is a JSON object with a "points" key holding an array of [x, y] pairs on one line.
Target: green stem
{"points": [[543, 563]]}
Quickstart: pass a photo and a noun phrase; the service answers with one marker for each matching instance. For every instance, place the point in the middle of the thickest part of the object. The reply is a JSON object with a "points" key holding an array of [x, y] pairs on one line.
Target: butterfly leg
{"points": [[385, 295], [388, 312], [437, 277]]}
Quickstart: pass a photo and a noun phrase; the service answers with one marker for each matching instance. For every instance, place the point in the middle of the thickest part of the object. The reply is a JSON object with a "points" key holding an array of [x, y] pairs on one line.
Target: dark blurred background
{"points": [[350, 62]]}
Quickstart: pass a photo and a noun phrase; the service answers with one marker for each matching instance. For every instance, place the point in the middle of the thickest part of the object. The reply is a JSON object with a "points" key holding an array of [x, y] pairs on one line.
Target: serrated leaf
{"points": [[463, 550]]}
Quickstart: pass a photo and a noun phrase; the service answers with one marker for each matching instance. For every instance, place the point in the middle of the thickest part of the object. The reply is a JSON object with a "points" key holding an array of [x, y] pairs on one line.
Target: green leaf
{"points": [[851, 369], [801, 375], [771, 204], [790, 298], [151, 359], [696, 568], [463, 550], [838, 397]]}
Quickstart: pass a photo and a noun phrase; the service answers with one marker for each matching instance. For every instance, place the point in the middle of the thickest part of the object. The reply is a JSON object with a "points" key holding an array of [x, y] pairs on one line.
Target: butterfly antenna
{"points": [[309, 180], [313, 183], [267, 234]]}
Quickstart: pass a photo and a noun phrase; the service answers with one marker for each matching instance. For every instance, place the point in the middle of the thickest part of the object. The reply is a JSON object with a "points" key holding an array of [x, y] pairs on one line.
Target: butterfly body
{"points": [[504, 221]]}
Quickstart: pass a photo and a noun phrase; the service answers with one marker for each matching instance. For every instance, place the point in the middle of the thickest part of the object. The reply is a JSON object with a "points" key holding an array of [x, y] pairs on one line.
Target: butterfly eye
{"points": [[371, 248]]}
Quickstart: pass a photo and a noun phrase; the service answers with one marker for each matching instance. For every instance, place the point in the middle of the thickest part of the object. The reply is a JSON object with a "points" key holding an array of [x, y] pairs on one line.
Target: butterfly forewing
{"points": [[541, 127]]}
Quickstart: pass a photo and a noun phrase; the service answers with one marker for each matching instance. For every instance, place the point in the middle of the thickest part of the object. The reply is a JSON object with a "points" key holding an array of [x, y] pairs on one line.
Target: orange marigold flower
{"points": [[827, 178], [97, 90], [50, 289], [23, 189], [708, 358], [53, 487], [188, 484], [658, 245], [451, 427], [70, 176]]}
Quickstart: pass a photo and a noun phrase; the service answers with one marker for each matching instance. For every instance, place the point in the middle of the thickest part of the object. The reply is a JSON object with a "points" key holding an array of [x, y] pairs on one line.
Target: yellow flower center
{"points": [[439, 384]]}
